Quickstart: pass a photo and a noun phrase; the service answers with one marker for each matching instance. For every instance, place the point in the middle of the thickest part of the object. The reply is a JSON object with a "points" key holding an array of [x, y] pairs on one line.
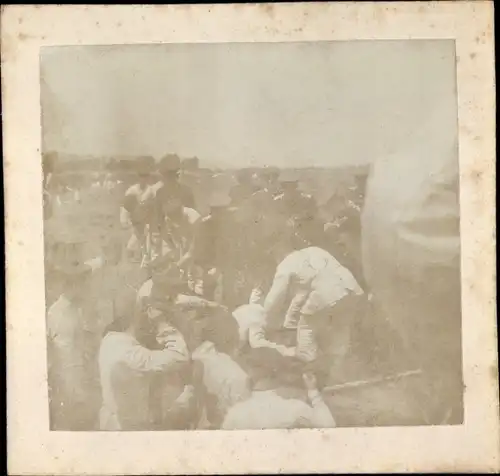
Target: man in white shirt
{"points": [[137, 209], [318, 297], [223, 384], [72, 343], [208, 331], [128, 368], [267, 409]]}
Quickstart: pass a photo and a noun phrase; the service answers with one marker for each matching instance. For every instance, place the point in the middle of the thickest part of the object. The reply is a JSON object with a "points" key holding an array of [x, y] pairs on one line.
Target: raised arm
{"points": [[185, 301], [141, 359], [257, 340]]}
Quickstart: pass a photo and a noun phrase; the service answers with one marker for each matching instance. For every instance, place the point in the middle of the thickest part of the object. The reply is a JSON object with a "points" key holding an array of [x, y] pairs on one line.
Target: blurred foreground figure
{"points": [[411, 258], [269, 407], [128, 368], [213, 249], [72, 340]]}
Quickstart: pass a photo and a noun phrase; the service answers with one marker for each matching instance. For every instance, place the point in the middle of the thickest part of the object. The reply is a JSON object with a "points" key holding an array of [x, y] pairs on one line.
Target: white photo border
{"points": [[33, 449]]}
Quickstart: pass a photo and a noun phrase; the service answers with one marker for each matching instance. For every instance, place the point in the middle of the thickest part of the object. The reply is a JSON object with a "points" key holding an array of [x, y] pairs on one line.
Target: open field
{"points": [[96, 218]]}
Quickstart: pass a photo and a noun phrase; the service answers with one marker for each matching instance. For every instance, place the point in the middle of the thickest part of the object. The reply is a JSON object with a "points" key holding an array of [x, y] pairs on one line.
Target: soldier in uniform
{"points": [[292, 202], [169, 169], [168, 187]]}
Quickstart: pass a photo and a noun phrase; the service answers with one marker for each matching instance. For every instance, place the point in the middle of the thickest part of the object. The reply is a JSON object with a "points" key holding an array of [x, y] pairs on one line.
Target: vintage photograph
{"points": [[250, 236]]}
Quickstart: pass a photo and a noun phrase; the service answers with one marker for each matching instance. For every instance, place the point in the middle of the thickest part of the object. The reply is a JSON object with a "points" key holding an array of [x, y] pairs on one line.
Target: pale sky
{"points": [[299, 104]]}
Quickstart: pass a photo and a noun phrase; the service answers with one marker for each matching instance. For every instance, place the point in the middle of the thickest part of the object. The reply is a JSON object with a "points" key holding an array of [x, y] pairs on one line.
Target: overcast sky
{"points": [[300, 104]]}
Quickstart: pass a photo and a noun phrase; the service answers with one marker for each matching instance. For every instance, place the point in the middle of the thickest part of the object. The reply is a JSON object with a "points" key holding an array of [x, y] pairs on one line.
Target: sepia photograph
{"points": [[251, 236]]}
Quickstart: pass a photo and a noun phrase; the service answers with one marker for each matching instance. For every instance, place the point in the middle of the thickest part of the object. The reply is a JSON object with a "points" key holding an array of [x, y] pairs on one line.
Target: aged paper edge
{"points": [[33, 449]]}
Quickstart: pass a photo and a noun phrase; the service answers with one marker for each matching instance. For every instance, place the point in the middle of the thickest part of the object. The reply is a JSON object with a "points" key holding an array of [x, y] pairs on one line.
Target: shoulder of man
{"points": [[156, 187], [132, 190], [291, 262], [192, 215]]}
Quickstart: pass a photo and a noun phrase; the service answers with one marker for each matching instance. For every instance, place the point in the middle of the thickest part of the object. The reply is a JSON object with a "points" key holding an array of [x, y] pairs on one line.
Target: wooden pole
{"points": [[369, 382]]}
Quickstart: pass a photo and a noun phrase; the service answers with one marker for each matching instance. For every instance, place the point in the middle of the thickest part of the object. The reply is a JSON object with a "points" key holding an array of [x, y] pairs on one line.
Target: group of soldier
{"points": [[241, 317]]}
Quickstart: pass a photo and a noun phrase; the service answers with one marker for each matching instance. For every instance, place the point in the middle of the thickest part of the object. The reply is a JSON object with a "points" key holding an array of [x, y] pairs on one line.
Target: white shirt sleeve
{"points": [[276, 297], [294, 310], [141, 359], [257, 340], [185, 301]]}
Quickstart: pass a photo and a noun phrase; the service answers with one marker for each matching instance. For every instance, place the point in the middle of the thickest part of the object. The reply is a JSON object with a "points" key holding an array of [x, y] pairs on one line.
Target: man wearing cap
{"points": [[292, 202], [169, 168], [167, 188], [138, 206], [72, 338], [214, 245]]}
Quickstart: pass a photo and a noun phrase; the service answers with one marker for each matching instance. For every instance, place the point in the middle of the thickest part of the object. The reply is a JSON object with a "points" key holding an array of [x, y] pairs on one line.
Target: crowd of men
{"points": [[244, 314], [242, 317]]}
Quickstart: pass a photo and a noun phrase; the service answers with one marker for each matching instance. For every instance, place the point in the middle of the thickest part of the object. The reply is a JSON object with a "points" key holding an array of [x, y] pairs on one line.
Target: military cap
{"points": [[169, 162]]}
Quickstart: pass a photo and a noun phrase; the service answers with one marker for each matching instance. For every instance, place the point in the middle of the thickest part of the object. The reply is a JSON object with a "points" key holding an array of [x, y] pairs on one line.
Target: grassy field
{"points": [[95, 218]]}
